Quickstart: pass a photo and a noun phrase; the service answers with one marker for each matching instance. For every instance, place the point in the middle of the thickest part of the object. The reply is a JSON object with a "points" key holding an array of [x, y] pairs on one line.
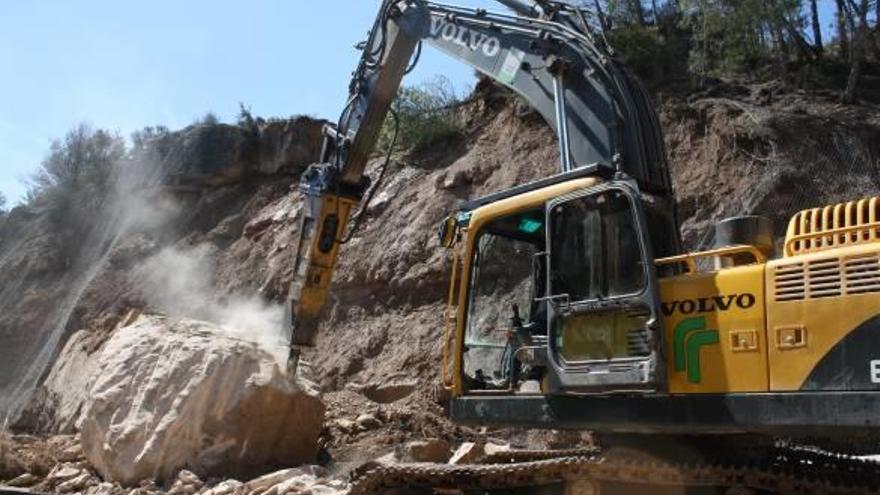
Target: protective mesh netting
{"points": [[786, 162]]}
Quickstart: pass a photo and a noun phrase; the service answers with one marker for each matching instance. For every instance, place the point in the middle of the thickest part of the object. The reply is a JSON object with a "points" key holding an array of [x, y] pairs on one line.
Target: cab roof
{"points": [[593, 170]]}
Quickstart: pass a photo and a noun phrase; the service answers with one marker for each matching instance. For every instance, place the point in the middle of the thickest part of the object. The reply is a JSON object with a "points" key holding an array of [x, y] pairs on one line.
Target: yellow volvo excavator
{"points": [[571, 305]]}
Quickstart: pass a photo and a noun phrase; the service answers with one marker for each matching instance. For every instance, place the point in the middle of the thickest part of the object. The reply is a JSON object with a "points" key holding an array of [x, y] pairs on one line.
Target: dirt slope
{"points": [[760, 149]]}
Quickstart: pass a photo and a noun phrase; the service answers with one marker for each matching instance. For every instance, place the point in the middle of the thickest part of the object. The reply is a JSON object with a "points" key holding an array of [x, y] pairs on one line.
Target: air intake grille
{"points": [[828, 277], [862, 274], [789, 282]]}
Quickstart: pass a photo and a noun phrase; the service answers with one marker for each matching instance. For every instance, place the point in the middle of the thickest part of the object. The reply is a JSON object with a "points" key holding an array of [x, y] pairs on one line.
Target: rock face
{"points": [[68, 383], [171, 394], [216, 154], [212, 172], [730, 155]]}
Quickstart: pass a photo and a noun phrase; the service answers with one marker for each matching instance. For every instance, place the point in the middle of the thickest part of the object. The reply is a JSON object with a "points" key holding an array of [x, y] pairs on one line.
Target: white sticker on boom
{"points": [[875, 371], [511, 66]]}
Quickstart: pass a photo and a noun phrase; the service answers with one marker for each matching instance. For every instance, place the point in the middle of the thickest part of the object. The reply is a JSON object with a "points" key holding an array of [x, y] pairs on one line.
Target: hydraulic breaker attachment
{"points": [[327, 207], [334, 187]]}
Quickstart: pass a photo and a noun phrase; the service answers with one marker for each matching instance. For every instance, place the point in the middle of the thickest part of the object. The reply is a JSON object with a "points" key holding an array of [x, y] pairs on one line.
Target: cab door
{"points": [[603, 307]]}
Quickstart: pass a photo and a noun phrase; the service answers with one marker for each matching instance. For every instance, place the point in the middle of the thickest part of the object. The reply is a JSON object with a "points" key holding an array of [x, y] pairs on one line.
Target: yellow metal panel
{"points": [[825, 315], [313, 268], [714, 331]]}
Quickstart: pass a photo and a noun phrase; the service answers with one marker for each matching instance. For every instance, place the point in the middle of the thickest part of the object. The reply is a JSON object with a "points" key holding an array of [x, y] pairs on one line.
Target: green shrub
{"points": [[738, 36], [209, 118], [143, 138], [75, 179], [650, 53], [427, 113], [247, 121]]}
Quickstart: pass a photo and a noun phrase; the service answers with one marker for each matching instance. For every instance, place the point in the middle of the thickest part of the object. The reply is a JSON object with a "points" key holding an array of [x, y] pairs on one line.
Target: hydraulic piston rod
{"points": [[561, 123]]}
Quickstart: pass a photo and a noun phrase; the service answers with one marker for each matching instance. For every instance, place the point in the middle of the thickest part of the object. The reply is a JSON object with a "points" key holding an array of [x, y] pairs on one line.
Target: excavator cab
{"points": [[557, 292]]}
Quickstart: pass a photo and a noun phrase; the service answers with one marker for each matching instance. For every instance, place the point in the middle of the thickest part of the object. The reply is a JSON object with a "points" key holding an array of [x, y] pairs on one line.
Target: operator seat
{"points": [[538, 307]]}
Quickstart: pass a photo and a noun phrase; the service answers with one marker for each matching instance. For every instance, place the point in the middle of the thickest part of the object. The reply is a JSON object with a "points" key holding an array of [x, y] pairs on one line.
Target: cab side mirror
{"points": [[448, 231]]}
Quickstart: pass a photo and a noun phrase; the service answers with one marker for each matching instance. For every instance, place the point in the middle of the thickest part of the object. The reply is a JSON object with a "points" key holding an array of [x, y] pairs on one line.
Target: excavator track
{"points": [[793, 471]]}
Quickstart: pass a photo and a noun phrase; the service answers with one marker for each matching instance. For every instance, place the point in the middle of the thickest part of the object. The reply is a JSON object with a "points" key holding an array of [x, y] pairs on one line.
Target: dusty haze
{"points": [[179, 282]]}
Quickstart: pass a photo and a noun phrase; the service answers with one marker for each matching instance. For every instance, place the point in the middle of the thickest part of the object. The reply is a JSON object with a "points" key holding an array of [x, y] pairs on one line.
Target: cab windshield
{"points": [[502, 275]]}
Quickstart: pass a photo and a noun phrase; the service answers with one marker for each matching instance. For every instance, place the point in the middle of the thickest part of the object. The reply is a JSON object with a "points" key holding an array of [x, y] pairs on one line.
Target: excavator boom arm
{"points": [[602, 117], [550, 56]]}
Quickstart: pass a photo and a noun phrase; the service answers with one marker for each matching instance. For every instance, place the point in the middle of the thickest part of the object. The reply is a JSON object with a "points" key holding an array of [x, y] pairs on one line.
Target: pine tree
{"points": [[817, 28], [842, 35]]}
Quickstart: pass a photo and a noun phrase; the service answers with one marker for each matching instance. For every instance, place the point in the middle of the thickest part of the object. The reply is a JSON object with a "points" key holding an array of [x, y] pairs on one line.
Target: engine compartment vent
{"points": [[827, 277], [862, 274], [789, 282]]}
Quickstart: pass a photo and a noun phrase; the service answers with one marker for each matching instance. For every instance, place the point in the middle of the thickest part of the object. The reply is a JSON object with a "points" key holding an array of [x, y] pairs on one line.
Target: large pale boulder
{"points": [[176, 393], [304, 480]]}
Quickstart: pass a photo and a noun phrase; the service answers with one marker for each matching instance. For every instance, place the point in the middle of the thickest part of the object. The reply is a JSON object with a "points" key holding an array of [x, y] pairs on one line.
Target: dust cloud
{"points": [[180, 283]]}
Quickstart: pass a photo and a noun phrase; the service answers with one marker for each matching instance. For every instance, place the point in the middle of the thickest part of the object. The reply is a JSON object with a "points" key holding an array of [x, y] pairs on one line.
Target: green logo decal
{"points": [[687, 339], [511, 66]]}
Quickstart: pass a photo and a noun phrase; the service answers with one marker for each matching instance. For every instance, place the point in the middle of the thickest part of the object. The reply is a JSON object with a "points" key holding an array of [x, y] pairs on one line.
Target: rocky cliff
{"points": [[184, 184]]}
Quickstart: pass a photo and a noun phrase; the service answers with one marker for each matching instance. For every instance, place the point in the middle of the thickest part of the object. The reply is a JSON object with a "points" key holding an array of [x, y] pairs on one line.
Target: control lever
{"points": [[516, 320], [522, 334]]}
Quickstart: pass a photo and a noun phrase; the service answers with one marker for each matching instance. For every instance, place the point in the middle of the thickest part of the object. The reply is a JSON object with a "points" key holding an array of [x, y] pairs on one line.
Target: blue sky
{"points": [[124, 65]]}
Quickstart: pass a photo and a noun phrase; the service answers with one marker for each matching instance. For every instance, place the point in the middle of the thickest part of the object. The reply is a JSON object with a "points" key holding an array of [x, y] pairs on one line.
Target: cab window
{"points": [[595, 250], [501, 276]]}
